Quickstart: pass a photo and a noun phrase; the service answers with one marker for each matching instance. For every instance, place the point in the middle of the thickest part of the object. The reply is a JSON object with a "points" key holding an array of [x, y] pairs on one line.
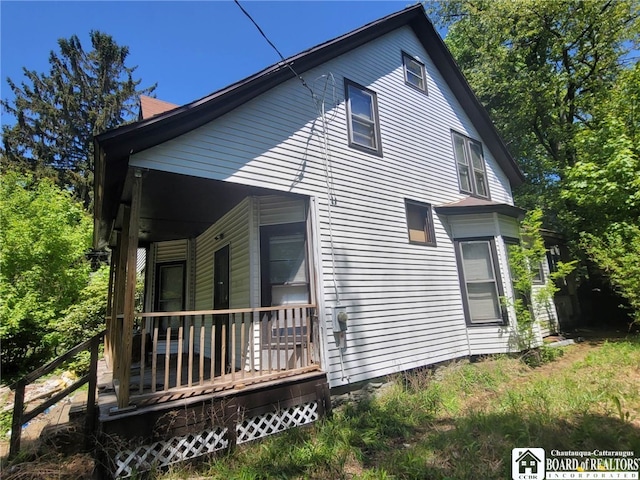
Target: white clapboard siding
{"points": [[234, 229], [404, 301], [277, 209], [545, 312]]}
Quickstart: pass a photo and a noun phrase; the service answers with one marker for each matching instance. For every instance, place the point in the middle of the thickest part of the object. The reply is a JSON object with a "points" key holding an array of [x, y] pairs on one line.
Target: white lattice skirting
{"points": [[178, 449], [274, 422]]}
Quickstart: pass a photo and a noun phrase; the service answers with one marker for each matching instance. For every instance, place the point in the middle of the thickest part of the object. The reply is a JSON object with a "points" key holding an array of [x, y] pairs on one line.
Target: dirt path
{"points": [[57, 414]]}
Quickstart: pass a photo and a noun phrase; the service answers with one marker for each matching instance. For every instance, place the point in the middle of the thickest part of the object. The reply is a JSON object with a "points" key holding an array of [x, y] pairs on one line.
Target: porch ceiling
{"points": [[177, 206]]}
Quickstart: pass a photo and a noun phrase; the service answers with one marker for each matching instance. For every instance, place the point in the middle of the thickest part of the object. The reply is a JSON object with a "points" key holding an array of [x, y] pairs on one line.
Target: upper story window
{"points": [[420, 223], [472, 175], [362, 118], [414, 72]]}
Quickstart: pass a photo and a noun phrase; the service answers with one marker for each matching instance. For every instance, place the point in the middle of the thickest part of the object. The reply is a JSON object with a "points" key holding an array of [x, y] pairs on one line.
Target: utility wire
{"points": [[276, 49]]}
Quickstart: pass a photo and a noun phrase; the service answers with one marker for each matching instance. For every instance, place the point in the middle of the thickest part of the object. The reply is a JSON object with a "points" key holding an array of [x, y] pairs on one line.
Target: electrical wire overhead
{"points": [[287, 64]]}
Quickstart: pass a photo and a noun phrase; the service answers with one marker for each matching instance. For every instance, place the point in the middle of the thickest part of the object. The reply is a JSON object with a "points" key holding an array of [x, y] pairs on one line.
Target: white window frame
{"points": [[502, 319], [372, 122], [409, 74], [467, 163]]}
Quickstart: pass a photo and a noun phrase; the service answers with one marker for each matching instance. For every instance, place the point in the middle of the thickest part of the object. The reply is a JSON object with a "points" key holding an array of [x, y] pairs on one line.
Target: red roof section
{"points": [[150, 107]]}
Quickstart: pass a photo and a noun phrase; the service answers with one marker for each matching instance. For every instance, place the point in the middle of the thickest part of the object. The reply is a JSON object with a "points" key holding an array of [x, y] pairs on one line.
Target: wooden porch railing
{"points": [[181, 350], [20, 417]]}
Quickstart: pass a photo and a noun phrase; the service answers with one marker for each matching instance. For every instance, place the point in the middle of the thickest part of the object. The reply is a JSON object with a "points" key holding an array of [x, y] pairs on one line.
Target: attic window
{"points": [[414, 72], [472, 175], [362, 118]]}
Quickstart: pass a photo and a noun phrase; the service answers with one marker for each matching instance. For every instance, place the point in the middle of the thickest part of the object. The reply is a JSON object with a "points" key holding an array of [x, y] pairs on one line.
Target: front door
{"points": [[221, 302]]}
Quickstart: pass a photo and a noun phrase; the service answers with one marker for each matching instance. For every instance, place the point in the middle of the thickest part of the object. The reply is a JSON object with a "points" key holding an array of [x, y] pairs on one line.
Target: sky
{"points": [[189, 48]]}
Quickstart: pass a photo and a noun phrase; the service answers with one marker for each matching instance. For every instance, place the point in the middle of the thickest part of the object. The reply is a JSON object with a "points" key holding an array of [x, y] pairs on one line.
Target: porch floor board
{"points": [[230, 382]]}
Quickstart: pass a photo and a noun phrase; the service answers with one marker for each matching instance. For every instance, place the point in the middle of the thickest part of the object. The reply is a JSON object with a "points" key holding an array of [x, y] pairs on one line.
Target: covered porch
{"points": [[212, 297], [225, 294]]}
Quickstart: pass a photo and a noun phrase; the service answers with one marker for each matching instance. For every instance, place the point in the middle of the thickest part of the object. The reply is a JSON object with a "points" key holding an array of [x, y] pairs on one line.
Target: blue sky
{"points": [[189, 49]]}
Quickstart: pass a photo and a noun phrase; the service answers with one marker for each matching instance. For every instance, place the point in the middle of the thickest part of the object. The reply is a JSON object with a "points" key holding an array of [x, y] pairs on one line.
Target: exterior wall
{"points": [[234, 226], [546, 314], [404, 302], [164, 252], [235, 230], [492, 338]]}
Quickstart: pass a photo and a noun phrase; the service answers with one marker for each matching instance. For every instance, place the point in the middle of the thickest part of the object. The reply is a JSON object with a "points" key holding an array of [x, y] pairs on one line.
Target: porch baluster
{"points": [[243, 347], [233, 346], [180, 351], [154, 358], [201, 348], [191, 337], [167, 357], [223, 351], [143, 353], [213, 349], [308, 312]]}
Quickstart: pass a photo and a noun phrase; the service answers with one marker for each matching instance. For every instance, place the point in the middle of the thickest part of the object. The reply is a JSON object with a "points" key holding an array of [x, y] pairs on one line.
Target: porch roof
{"points": [[175, 206], [113, 148], [474, 205]]}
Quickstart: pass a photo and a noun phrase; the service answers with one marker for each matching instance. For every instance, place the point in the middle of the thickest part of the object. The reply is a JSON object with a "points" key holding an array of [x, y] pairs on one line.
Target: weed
{"points": [[459, 422]]}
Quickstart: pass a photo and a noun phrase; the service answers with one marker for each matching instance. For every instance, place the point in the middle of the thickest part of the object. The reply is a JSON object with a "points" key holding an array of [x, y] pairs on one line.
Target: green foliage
{"points": [[617, 253], [540, 68], [583, 404], [524, 259], [86, 316], [58, 113], [604, 187], [542, 355], [44, 235], [557, 82]]}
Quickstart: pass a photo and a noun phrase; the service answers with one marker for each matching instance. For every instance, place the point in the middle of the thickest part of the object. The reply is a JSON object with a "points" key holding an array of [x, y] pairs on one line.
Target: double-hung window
{"points": [[480, 280], [170, 294], [362, 118], [414, 72], [472, 175]]}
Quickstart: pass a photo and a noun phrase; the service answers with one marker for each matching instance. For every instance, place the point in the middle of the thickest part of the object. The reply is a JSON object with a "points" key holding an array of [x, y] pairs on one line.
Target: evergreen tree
{"points": [[58, 113]]}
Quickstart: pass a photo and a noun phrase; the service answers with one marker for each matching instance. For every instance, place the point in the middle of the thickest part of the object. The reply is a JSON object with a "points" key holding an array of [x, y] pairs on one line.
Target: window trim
{"points": [[469, 163], [406, 57], [430, 232], [162, 333], [515, 241], [504, 317], [376, 120], [541, 279], [266, 232]]}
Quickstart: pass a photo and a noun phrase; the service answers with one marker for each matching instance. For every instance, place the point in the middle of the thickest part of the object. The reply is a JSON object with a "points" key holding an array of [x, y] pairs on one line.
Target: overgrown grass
{"points": [[458, 423]]}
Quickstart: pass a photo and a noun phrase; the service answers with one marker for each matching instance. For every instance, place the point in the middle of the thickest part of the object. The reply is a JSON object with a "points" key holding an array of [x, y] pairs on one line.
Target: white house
{"points": [[343, 222]]}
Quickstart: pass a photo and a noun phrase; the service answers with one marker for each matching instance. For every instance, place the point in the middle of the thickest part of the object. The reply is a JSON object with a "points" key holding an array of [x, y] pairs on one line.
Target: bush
{"points": [[44, 235]]}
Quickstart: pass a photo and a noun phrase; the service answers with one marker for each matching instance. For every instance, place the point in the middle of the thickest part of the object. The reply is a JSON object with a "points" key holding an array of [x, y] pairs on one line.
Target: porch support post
{"points": [[108, 338], [118, 297], [130, 289]]}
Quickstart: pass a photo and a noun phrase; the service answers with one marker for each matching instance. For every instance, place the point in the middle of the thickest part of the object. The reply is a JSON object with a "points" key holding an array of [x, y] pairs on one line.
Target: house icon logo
{"points": [[527, 464]]}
